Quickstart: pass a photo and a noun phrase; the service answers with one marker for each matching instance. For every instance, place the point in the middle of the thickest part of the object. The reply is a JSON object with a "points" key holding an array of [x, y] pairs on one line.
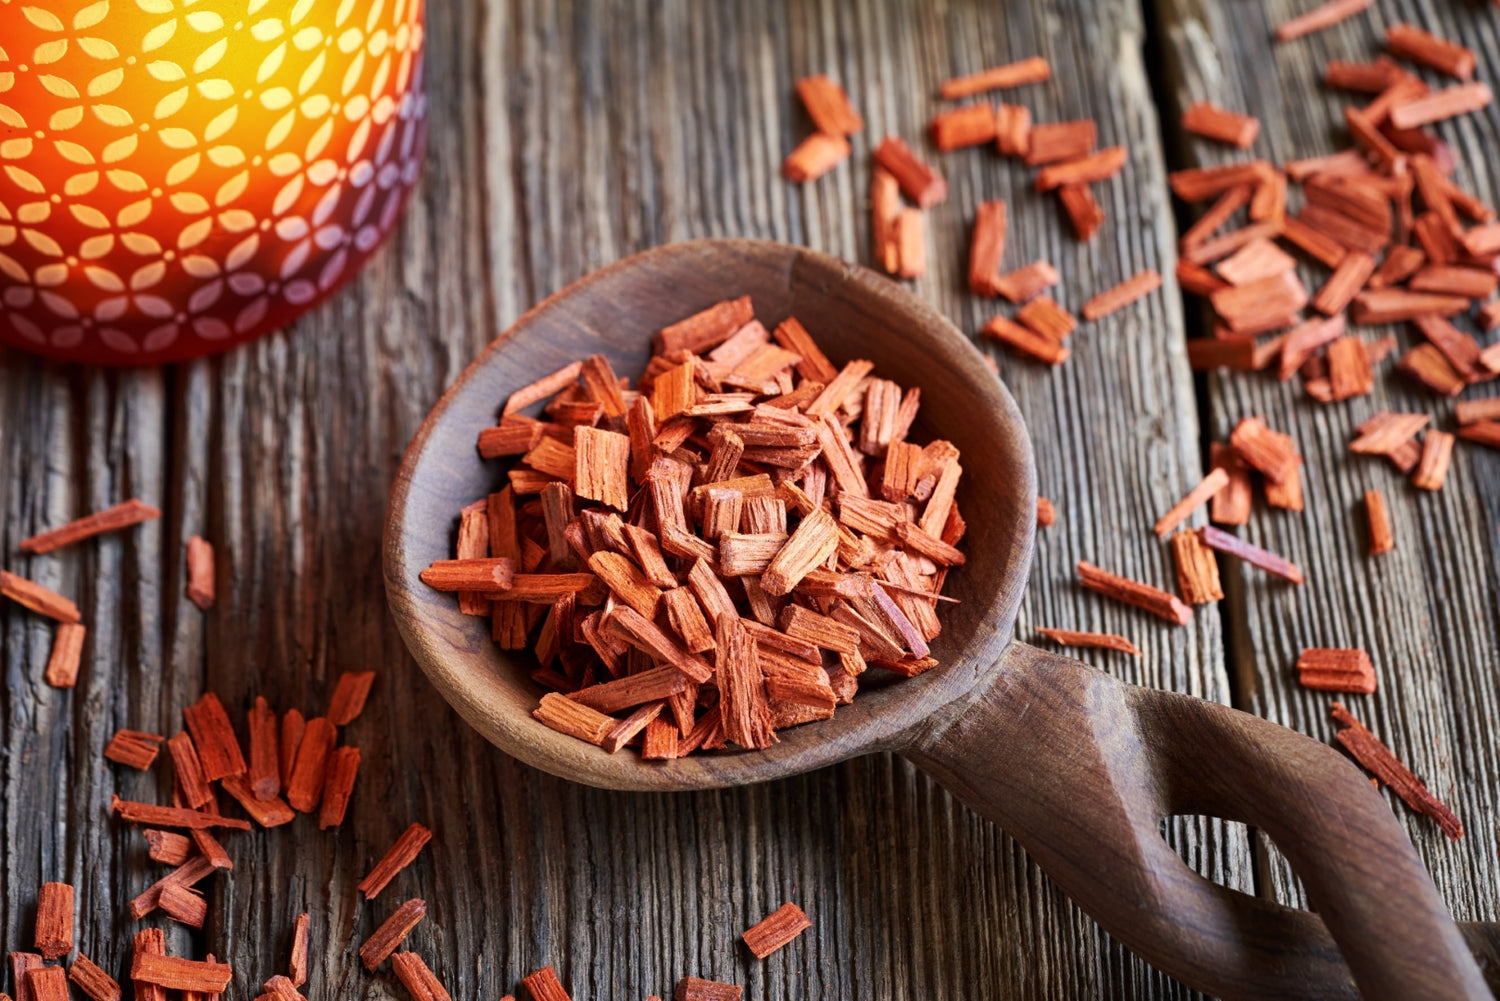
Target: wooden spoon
{"points": [[1078, 767]]}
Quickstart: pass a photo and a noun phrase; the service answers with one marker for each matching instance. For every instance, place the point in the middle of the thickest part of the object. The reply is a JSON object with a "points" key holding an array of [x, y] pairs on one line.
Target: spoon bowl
{"points": [[853, 313]]}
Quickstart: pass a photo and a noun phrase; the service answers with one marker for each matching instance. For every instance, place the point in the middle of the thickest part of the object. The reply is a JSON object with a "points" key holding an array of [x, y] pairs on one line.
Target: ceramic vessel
{"points": [[178, 177]]}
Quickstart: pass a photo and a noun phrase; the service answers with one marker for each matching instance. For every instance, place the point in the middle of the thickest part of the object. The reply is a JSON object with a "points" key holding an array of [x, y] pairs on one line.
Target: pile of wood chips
{"points": [[718, 552]]}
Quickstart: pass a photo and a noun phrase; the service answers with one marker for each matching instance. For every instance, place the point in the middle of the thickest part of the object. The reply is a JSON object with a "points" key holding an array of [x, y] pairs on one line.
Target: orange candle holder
{"points": [[180, 177]]}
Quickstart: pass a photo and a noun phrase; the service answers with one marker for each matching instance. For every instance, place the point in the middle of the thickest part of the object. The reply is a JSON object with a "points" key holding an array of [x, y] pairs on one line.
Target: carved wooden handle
{"points": [[1081, 769]]}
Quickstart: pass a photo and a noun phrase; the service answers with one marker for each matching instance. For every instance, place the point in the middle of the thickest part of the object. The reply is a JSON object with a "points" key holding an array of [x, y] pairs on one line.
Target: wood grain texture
{"points": [[1427, 611], [562, 137]]}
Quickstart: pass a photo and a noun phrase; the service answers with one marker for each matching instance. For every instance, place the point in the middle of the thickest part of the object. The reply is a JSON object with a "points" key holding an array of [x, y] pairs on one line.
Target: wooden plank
{"points": [[1426, 611], [563, 137]]}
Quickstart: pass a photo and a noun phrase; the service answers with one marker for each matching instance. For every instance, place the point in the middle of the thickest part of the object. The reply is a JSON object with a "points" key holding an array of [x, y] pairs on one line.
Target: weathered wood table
{"points": [[564, 136]]}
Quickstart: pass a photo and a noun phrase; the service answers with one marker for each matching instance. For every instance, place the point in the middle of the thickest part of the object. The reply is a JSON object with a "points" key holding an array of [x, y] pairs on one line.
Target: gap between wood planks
{"points": [[1196, 323], [1194, 315]]}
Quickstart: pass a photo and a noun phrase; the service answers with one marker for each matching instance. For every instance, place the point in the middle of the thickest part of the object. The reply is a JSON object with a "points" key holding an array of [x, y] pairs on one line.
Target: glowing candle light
{"points": [[179, 176]]}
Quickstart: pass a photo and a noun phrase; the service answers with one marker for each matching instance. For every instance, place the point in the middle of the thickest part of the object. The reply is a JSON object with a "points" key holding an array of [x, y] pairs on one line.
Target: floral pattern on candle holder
{"points": [[177, 177]]}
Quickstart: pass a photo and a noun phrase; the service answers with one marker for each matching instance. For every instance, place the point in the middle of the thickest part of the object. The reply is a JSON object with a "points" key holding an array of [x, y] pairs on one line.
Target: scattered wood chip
{"points": [[1324, 16], [1389, 305], [1260, 305], [987, 248], [21, 964], [338, 786], [1210, 485], [1378, 759], [1453, 279], [1287, 494], [1407, 41], [122, 515], [1052, 142], [263, 772], [134, 748], [1197, 569], [815, 156], [267, 812], [1378, 523], [1258, 259], [828, 105], [911, 243], [1013, 129], [420, 982], [214, 738], [1350, 373], [385, 939], [1027, 283], [1143, 596], [922, 183], [168, 847], [1474, 411], [1231, 505], [1386, 432], [1485, 432], [38, 598], [208, 846], [1032, 70], [171, 816], [776, 929], [397, 858], [698, 989], [46, 983], [187, 768], [544, 986], [1213, 122], [696, 333], [1304, 339], [349, 696], [67, 655], [1103, 641], [178, 974], [1085, 214], [1122, 295], [1427, 366], [54, 921], [1100, 166], [1401, 262], [1047, 318], [1222, 541], [297, 963], [1271, 452], [1336, 670], [93, 981], [1353, 271], [1432, 468], [183, 904], [970, 125], [1026, 341], [1216, 216], [1197, 184], [885, 208], [310, 769], [200, 572]]}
